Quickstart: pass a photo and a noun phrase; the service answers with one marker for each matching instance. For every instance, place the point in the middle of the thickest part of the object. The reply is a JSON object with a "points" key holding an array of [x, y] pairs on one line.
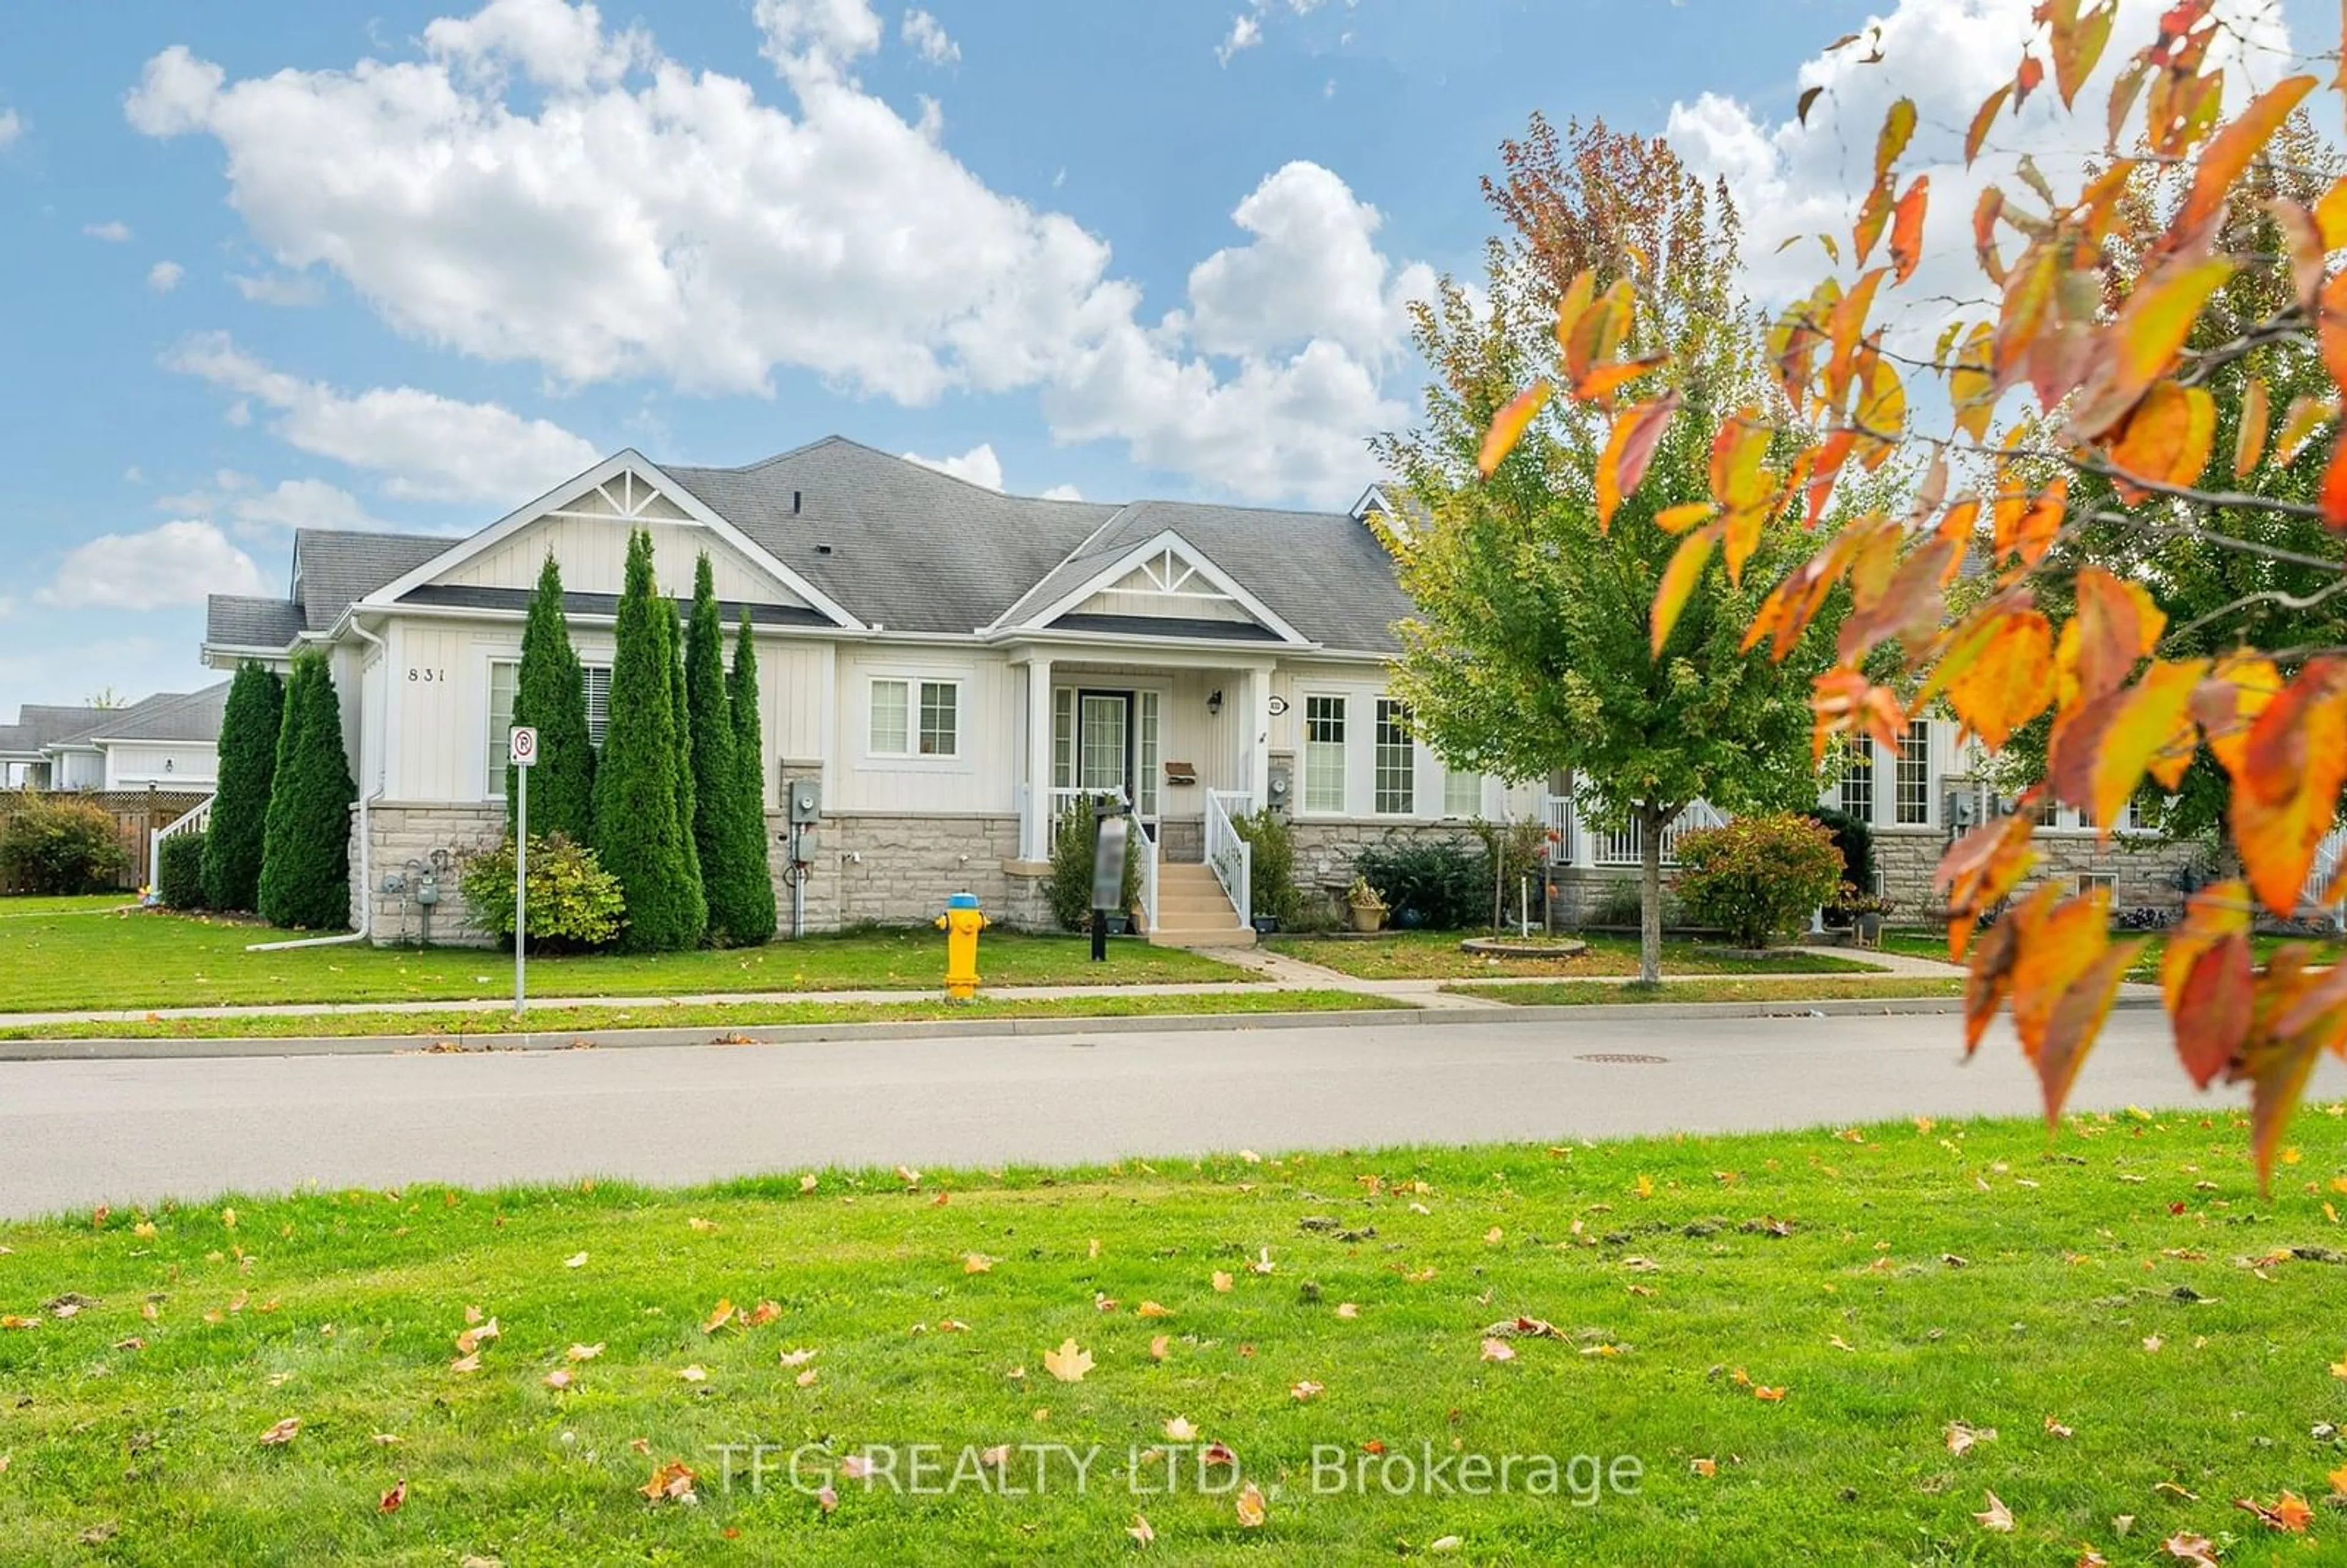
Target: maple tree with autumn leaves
{"points": [[2079, 365]]}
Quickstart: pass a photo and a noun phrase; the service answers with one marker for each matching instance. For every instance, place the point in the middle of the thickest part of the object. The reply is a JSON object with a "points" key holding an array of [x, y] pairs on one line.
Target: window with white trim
{"points": [[1324, 754], [916, 718], [1913, 780], [1462, 793], [1858, 784], [1396, 758], [505, 681], [1144, 742]]}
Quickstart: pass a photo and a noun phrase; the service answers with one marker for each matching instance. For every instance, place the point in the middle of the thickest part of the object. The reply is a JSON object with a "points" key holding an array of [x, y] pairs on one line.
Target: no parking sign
{"points": [[523, 742]]}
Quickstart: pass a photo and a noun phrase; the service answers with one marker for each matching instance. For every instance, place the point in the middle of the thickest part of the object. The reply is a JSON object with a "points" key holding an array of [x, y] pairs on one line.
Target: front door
{"points": [[1104, 742]]}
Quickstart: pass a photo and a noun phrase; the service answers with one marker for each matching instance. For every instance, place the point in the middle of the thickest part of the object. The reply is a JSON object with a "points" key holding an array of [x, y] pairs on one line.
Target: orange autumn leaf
{"points": [[1068, 1363], [2003, 686], [2145, 339], [2228, 152], [1251, 1509], [2076, 40], [2249, 441], [1907, 228], [2287, 773], [1508, 425], [672, 1482], [2025, 526], [2164, 442], [719, 1317], [1679, 580], [2205, 977], [1629, 448]]}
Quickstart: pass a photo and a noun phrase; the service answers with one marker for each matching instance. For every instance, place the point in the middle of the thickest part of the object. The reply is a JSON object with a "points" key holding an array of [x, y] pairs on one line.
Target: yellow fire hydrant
{"points": [[961, 922]]}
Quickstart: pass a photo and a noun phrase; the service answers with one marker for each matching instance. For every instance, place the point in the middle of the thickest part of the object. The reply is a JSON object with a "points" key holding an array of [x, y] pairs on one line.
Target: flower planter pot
{"points": [[1870, 930], [1367, 916], [1265, 924]]}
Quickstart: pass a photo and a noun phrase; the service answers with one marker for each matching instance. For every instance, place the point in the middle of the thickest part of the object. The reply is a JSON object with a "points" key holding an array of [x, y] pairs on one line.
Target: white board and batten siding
{"points": [[191, 764], [590, 540], [1361, 686], [975, 780]]}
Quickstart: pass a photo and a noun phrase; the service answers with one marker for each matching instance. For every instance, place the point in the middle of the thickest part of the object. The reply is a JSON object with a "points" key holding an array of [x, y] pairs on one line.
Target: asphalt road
{"points": [[74, 1133]]}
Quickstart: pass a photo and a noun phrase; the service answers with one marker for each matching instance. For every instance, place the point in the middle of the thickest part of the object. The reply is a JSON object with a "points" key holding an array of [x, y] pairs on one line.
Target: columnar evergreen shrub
{"points": [[672, 630], [180, 873], [61, 845], [575, 905], [1855, 839], [248, 762], [638, 836], [1757, 876], [754, 916], [305, 863], [727, 829], [551, 696]]}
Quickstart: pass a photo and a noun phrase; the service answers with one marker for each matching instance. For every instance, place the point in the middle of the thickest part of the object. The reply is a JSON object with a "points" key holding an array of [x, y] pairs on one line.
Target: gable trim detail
{"points": [[1168, 542], [626, 462]]}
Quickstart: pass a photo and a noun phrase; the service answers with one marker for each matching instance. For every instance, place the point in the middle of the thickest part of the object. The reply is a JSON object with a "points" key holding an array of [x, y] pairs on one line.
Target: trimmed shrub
{"points": [[687, 796], [62, 845], [575, 905], [639, 838], [1757, 876], [754, 916], [550, 697], [1855, 840], [1271, 884], [233, 844], [180, 877], [1439, 883], [305, 861], [728, 826], [1069, 890]]}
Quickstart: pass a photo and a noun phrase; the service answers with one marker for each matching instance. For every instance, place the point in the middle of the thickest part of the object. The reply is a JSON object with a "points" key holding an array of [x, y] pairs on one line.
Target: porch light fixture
{"points": [[1215, 702]]}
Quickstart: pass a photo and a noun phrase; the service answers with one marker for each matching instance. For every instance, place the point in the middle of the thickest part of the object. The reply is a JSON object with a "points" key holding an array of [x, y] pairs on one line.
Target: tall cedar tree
{"points": [[1530, 649], [305, 864], [673, 627], [638, 834], [732, 864], [248, 761], [756, 914], [551, 696]]}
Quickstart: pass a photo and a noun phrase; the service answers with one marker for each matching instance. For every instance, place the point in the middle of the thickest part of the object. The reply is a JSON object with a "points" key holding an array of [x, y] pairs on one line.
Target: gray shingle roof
{"points": [[193, 716], [43, 724], [233, 621], [913, 549], [910, 547]]}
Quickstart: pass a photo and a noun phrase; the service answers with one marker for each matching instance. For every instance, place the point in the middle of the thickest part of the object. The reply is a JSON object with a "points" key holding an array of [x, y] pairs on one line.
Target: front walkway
{"points": [[1279, 972]]}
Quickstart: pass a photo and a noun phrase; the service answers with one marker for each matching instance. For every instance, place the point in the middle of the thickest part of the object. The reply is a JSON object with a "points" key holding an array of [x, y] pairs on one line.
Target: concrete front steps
{"points": [[1192, 910]]}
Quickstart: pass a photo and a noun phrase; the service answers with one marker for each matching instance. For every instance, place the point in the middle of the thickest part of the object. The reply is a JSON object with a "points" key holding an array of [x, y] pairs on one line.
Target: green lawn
{"points": [[718, 1018], [58, 955], [1934, 944], [1582, 993], [1435, 955], [1782, 1331]]}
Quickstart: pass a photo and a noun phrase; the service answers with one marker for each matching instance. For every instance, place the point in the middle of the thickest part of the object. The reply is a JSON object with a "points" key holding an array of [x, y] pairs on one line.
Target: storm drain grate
{"points": [[1622, 1059]]}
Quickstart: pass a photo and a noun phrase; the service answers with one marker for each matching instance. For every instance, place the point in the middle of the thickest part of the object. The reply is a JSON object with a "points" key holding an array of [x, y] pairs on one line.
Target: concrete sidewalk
{"points": [[1279, 972]]}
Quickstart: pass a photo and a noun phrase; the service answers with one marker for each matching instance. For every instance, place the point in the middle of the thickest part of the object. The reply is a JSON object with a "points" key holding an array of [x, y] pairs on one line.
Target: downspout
{"points": [[366, 846]]}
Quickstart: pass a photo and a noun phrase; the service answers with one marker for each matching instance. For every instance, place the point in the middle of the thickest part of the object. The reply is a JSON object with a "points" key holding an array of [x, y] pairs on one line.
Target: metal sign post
{"points": [[523, 752]]}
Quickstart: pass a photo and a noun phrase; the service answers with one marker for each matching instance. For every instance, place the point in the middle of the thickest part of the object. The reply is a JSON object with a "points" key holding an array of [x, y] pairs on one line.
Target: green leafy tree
{"points": [[551, 696], [305, 863], [248, 762], [639, 835], [1531, 649], [753, 913]]}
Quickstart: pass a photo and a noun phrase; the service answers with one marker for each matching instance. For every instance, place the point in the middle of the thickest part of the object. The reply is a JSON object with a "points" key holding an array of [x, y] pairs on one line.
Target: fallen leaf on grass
{"points": [[1347, 1310], [1152, 1309], [703, 1225], [1216, 1453], [471, 1340], [696, 1373], [1180, 1429], [5, 1460], [2057, 1429], [1762, 1391], [672, 1482], [1222, 1282], [1159, 1345], [1706, 1468], [952, 1326], [1307, 1389], [13, 1320], [975, 1263], [2152, 1342], [2288, 1513], [1996, 1516], [464, 1364], [2090, 1558], [906, 1174], [807, 1185], [2337, 1368], [1068, 1363], [559, 1379], [575, 1260], [798, 1357], [857, 1467], [1262, 1263], [585, 1352], [282, 1434], [393, 1499], [719, 1316], [2197, 1550], [1493, 1235], [1446, 1544], [2338, 1480], [1251, 1509], [1498, 1351], [806, 1379], [2172, 1490], [1962, 1439], [758, 1316], [1103, 1302], [385, 1439], [1139, 1532]]}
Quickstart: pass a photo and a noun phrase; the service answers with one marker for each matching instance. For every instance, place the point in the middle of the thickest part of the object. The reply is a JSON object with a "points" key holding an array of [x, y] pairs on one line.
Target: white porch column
{"points": [[1034, 829], [1258, 748]]}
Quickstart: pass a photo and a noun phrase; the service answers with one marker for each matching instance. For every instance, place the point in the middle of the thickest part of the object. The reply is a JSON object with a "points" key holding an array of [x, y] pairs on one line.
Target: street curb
{"points": [[969, 1028]]}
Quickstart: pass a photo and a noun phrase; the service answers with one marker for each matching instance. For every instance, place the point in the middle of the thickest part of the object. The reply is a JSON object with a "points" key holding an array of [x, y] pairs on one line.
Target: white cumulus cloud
{"points": [[979, 465], [12, 126], [426, 446], [164, 276], [176, 563], [114, 230], [287, 288], [928, 36], [626, 216]]}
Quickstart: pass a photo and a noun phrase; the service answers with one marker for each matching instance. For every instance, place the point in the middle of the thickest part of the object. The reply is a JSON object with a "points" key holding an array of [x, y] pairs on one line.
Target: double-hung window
{"points": [[1396, 760], [916, 718], [1324, 754], [1857, 782], [1912, 804], [505, 681]]}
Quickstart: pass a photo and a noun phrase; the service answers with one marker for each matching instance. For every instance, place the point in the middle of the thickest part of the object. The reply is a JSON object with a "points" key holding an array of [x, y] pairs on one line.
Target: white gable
{"points": [[1166, 584], [587, 533]]}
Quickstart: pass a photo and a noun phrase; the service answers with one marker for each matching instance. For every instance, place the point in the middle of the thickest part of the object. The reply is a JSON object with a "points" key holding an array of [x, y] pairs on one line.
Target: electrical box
{"points": [[804, 800], [802, 844], [1280, 782]]}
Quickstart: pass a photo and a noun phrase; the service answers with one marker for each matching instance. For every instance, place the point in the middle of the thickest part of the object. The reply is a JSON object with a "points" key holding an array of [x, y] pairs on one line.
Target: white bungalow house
{"points": [[947, 664], [166, 742]]}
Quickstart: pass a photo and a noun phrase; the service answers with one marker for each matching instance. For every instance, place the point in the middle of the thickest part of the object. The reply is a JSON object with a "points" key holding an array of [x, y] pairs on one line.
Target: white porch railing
{"points": [[1145, 847], [195, 821], [1231, 856], [1059, 800], [1625, 846], [2330, 860]]}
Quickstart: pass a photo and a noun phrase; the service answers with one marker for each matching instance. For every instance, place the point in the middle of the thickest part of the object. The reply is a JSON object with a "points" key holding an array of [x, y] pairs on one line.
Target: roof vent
{"points": [[823, 549], [795, 503]]}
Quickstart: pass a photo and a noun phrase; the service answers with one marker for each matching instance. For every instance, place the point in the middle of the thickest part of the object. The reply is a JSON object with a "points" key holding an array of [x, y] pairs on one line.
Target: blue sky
{"points": [[404, 264]]}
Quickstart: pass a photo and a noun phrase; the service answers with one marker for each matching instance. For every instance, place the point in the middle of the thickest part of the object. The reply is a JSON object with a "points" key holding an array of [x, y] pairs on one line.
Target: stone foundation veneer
{"points": [[887, 869], [413, 831]]}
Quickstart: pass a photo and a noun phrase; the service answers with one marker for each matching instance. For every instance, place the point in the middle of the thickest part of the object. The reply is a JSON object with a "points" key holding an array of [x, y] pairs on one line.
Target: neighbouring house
{"points": [[168, 742], [949, 665]]}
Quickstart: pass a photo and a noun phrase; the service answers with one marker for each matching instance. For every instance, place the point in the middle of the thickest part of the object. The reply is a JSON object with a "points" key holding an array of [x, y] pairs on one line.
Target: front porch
{"points": [[1183, 741]]}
